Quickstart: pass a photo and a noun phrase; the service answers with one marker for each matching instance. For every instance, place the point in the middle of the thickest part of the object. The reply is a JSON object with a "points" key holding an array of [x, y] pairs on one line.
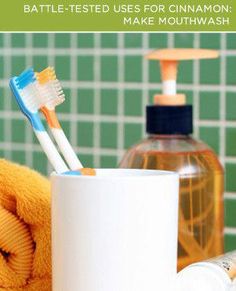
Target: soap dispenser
{"points": [[170, 146]]}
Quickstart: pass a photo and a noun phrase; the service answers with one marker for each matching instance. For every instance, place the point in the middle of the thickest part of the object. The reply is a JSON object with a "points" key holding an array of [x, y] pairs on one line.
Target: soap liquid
{"points": [[200, 199]]}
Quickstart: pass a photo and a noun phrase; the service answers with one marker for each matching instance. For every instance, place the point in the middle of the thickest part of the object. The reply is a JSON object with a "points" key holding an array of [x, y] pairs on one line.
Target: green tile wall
{"points": [[107, 83]]}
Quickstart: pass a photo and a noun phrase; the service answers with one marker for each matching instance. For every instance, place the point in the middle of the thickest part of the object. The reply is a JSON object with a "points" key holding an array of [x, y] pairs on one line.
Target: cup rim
{"points": [[133, 174]]}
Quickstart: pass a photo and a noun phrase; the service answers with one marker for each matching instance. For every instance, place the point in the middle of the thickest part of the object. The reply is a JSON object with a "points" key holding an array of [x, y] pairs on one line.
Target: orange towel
{"points": [[25, 238]]}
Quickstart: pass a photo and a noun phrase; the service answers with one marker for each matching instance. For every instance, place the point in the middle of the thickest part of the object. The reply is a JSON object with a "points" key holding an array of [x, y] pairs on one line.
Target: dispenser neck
{"points": [[169, 87], [169, 76], [169, 136]]}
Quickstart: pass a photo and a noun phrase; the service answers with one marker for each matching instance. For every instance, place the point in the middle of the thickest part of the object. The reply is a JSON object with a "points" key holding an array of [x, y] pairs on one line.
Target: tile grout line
{"points": [[97, 101], [134, 85], [36, 148], [121, 97], [51, 44], [28, 129], [145, 79], [111, 118], [230, 195], [51, 62], [196, 81], [87, 150], [171, 40], [90, 51], [73, 138], [222, 100], [7, 101], [230, 230]]}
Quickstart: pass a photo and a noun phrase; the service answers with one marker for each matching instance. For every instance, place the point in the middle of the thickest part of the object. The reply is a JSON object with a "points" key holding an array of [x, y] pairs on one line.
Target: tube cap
{"points": [[169, 119], [203, 277]]}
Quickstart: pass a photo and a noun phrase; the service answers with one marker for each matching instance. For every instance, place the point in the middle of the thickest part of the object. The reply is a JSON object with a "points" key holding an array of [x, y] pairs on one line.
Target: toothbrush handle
{"points": [[66, 149], [51, 151]]}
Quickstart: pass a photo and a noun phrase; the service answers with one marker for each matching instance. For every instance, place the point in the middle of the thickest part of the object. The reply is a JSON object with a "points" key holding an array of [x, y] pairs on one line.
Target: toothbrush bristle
{"points": [[29, 91], [51, 90], [52, 94], [30, 96]]}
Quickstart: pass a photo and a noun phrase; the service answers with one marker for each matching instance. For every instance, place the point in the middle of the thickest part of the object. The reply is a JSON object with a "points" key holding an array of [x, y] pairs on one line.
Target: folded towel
{"points": [[25, 239]]}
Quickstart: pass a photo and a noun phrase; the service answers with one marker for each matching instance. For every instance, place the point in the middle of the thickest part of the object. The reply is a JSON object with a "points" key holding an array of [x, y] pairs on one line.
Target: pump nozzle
{"points": [[169, 59]]}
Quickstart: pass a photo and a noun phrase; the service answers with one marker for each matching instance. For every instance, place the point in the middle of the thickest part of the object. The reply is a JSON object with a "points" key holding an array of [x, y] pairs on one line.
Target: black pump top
{"points": [[169, 119]]}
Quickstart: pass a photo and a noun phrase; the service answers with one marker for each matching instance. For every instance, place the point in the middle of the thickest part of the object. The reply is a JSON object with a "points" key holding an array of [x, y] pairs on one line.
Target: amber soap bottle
{"points": [[170, 146]]}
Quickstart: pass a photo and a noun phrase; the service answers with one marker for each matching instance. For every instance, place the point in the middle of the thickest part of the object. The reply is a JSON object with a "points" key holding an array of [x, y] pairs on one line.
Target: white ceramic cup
{"points": [[116, 231]]}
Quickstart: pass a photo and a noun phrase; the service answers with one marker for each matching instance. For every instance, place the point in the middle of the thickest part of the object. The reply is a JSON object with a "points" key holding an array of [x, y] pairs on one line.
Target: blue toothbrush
{"points": [[24, 88]]}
